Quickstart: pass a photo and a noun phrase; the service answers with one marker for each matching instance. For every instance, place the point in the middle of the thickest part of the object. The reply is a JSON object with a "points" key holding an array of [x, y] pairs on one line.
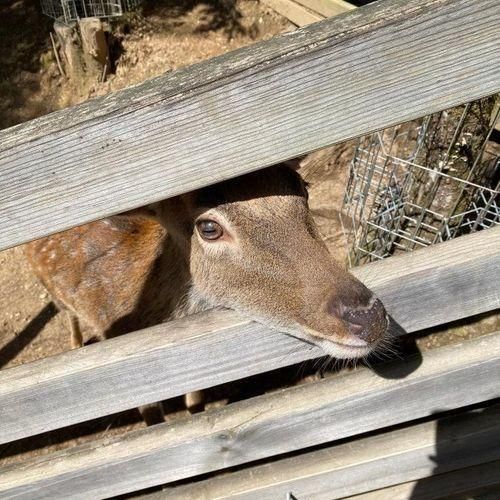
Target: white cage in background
{"points": [[71, 10], [423, 182]]}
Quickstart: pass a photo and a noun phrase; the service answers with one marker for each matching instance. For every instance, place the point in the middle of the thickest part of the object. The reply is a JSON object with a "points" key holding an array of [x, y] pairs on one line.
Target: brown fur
{"points": [[140, 268]]}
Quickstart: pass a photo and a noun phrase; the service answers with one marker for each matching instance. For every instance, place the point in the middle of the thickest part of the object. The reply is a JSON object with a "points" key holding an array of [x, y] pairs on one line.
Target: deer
{"points": [[249, 244]]}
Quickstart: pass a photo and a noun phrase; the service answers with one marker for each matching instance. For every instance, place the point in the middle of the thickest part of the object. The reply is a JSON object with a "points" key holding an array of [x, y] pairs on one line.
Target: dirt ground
{"points": [[168, 35], [165, 37]]}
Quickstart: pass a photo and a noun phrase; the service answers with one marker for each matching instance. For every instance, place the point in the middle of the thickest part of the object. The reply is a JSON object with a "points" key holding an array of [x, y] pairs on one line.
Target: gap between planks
{"points": [[291, 419], [372, 463], [425, 288]]}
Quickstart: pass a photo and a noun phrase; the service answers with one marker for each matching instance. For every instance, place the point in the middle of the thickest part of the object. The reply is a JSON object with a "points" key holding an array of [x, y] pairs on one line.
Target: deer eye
{"points": [[209, 230]]}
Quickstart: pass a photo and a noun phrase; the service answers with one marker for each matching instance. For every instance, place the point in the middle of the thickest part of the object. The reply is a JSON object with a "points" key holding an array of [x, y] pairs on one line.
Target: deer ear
{"points": [[294, 163], [148, 211]]}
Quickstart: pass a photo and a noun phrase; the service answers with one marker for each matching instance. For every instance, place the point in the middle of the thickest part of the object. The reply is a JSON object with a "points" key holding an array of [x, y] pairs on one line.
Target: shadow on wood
{"points": [[401, 344], [452, 454]]}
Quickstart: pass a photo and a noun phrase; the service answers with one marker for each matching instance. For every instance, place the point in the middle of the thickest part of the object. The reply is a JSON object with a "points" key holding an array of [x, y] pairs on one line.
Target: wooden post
{"points": [[56, 54], [95, 47], [69, 40], [85, 48]]}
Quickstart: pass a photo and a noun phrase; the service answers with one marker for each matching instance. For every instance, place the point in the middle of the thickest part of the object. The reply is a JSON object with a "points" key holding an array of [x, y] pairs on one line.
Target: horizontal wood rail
{"points": [[348, 75], [291, 419], [304, 12], [327, 8], [422, 289], [371, 463], [481, 480], [294, 12]]}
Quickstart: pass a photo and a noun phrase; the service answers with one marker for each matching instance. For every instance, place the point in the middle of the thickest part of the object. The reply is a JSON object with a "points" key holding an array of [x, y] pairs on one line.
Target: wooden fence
{"points": [[353, 74], [304, 12]]}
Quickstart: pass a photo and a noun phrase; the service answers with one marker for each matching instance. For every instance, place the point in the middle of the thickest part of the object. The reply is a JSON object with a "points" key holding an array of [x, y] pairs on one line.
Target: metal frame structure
{"points": [[423, 182], [72, 10]]}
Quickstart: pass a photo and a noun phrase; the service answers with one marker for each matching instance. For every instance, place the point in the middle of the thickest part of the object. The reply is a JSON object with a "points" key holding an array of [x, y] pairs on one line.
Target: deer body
{"points": [[117, 275], [249, 244]]}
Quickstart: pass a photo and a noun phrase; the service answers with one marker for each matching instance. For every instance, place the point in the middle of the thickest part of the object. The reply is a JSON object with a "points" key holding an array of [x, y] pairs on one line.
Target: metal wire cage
{"points": [[423, 182], [72, 10]]}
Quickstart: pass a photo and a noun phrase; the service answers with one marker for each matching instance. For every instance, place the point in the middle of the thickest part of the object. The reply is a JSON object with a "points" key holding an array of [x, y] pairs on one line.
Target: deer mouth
{"points": [[352, 348], [343, 350]]}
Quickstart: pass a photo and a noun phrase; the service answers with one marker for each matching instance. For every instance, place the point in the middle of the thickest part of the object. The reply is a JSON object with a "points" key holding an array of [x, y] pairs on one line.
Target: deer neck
{"points": [[169, 293]]}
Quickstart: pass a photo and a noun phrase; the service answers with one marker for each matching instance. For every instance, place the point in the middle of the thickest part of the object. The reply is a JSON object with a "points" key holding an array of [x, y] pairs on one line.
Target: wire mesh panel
{"points": [[423, 182], [52, 8], [131, 4], [71, 10]]}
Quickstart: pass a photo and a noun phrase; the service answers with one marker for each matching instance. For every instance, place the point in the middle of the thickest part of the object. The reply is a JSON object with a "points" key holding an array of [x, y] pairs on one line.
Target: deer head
{"points": [[251, 245]]}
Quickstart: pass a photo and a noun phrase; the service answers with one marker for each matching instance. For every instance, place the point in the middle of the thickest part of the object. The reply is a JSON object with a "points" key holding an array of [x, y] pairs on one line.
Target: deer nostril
{"points": [[368, 323]]}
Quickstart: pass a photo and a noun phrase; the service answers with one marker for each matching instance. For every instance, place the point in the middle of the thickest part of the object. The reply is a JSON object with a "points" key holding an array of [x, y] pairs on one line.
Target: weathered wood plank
{"points": [[434, 287], [462, 482], [291, 419], [304, 12], [364, 70], [294, 12], [327, 8], [367, 464], [426, 288]]}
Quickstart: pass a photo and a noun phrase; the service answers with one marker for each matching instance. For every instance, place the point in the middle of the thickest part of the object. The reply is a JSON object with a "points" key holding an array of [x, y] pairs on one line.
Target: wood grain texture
{"points": [[327, 8], [294, 12], [430, 287], [348, 75], [367, 464], [462, 483], [426, 288], [291, 419]]}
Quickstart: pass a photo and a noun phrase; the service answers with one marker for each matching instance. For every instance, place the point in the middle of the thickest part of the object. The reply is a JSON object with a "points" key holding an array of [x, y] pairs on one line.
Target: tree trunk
{"points": [[84, 48], [95, 47], [72, 54]]}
